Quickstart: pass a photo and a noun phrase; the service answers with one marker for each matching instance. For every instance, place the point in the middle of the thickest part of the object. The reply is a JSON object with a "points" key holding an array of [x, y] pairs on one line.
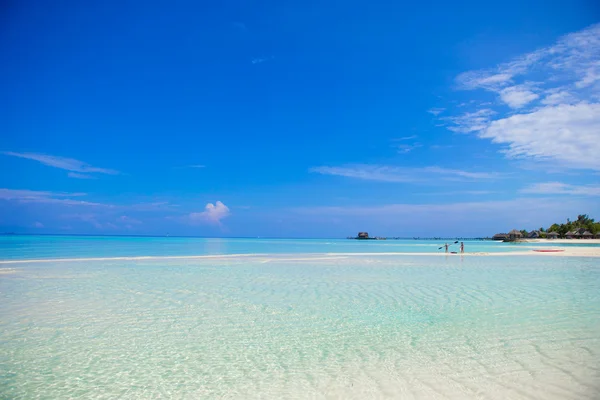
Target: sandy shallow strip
{"points": [[564, 252], [558, 241]]}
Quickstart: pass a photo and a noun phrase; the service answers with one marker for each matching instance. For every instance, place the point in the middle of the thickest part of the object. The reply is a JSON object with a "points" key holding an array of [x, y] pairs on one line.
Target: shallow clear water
{"points": [[302, 326], [36, 247]]}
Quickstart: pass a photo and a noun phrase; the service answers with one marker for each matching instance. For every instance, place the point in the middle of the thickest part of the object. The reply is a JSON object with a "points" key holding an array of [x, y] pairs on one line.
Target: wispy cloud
{"points": [[565, 133], [32, 196], [212, 214], [407, 148], [76, 167], [403, 147], [410, 209], [77, 175], [93, 219], [260, 60], [555, 91], [411, 137], [436, 111], [192, 166], [563, 188], [386, 173], [470, 121], [461, 173], [368, 172], [153, 206]]}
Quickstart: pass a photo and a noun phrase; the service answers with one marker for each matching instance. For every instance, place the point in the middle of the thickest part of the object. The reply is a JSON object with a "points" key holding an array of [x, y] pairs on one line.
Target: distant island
{"points": [[365, 236], [583, 227]]}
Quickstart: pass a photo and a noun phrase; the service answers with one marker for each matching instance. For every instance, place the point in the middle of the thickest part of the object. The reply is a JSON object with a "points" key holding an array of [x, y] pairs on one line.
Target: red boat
{"points": [[549, 251]]}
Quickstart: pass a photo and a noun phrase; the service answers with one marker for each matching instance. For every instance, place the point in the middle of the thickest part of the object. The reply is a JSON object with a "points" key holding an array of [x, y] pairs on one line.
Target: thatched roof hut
{"points": [[534, 235], [587, 235], [363, 235], [552, 235], [515, 234], [500, 236]]}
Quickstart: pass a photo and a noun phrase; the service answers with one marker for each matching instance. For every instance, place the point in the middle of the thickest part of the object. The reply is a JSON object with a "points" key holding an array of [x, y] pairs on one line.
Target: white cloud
{"points": [[68, 164], [568, 134], [213, 213], [386, 173], [563, 188], [558, 96], [559, 115], [592, 75], [517, 96]]}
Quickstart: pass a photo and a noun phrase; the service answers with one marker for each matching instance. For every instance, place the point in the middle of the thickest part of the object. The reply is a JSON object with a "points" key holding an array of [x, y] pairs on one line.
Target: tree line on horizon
{"points": [[582, 221]]}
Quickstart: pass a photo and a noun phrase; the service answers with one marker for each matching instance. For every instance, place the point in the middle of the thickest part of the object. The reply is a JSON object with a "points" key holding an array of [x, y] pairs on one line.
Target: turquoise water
{"points": [[300, 325], [36, 247]]}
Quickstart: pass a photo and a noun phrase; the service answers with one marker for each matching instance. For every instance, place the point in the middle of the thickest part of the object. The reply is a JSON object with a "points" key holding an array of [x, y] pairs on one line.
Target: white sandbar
{"points": [[564, 252]]}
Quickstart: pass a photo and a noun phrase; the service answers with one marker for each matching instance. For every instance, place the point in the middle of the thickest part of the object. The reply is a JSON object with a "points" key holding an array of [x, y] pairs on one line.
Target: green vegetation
{"points": [[582, 221]]}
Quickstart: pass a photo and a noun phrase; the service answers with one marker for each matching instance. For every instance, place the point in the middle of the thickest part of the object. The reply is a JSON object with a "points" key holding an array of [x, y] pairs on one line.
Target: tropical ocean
{"points": [[273, 318]]}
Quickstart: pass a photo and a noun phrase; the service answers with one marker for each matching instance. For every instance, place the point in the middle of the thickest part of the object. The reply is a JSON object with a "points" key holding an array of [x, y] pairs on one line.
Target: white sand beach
{"points": [[564, 241], [531, 251]]}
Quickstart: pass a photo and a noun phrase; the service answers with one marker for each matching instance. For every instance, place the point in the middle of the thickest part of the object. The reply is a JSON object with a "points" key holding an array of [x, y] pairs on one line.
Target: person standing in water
{"points": [[462, 247], [446, 246]]}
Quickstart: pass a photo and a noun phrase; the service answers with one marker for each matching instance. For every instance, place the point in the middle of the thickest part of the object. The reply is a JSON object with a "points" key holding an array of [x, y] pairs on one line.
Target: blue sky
{"points": [[298, 119]]}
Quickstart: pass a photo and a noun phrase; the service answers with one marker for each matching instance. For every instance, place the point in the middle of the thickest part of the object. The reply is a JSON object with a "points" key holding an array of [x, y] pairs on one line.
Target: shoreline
{"points": [[565, 252], [562, 241]]}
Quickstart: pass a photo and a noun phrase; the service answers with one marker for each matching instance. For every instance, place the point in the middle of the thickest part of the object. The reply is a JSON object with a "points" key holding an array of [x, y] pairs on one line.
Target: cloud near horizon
{"points": [[387, 173], [563, 188], [452, 219], [555, 92], [213, 214]]}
